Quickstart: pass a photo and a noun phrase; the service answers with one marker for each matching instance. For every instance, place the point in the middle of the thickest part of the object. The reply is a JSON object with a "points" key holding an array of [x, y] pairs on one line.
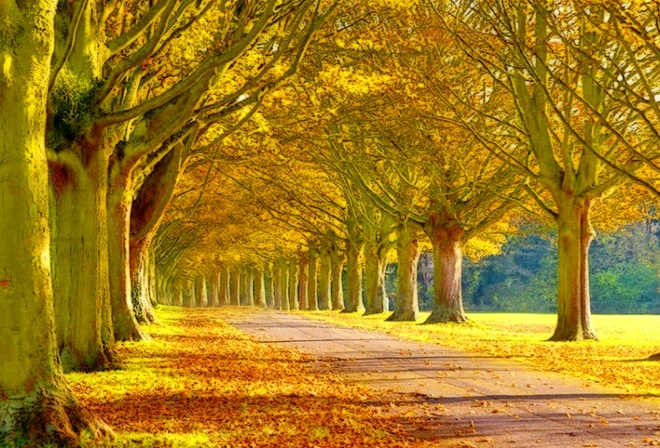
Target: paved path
{"points": [[481, 400]]}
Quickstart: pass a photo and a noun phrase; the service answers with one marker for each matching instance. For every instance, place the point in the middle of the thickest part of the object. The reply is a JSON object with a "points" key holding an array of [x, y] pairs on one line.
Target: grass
{"points": [[202, 383], [619, 358]]}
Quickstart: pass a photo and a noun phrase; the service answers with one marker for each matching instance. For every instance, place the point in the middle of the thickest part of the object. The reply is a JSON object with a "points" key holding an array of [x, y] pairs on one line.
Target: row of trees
{"points": [[103, 104], [148, 146]]}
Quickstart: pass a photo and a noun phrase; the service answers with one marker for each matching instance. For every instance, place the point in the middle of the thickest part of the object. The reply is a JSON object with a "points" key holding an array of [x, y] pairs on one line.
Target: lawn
{"points": [[619, 358]]}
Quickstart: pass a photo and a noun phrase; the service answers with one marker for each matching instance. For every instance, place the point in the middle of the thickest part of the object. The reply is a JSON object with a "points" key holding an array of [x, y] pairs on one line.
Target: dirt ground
{"points": [[466, 399]]}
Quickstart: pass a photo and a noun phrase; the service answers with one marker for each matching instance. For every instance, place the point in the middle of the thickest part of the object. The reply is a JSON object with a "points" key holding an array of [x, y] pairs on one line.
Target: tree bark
{"points": [[284, 285], [312, 285], [125, 323], [406, 306], [374, 271], [200, 291], [325, 279], [270, 289], [224, 286], [303, 280], [293, 285], [337, 295], [277, 286], [247, 298], [574, 236], [260, 289], [447, 272], [213, 289], [36, 404], [354, 302], [187, 297], [81, 262], [235, 288]]}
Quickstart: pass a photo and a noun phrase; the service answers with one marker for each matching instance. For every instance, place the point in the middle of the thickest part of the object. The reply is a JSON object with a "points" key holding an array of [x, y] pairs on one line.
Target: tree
{"points": [[36, 403], [559, 132]]}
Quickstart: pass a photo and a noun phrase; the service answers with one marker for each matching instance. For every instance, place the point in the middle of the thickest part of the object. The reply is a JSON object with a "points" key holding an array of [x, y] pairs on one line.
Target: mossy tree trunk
{"points": [[446, 237], [36, 404], [312, 285], [337, 262], [325, 279], [303, 280], [354, 302], [406, 306]]}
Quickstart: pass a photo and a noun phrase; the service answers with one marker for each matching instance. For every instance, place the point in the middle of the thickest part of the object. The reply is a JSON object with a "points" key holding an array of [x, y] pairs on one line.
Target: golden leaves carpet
{"points": [[202, 383]]}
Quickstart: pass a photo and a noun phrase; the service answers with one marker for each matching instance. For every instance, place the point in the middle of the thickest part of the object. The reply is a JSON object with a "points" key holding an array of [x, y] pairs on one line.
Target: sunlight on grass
{"points": [[202, 383], [618, 359]]}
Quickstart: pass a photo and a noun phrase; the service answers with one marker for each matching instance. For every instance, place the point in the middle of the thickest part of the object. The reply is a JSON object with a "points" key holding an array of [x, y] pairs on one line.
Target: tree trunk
{"points": [[354, 302], [36, 404], [200, 291], [574, 236], [80, 262], [312, 285], [124, 320], [187, 296], [284, 284], [447, 273], [337, 261], [213, 287], [248, 288], [224, 286], [655, 357], [270, 289], [277, 286], [303, 280], [259, 289], [406, 306], [325, 279], [235, 289], [142, 304], [374, 271], [293, 285]]}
